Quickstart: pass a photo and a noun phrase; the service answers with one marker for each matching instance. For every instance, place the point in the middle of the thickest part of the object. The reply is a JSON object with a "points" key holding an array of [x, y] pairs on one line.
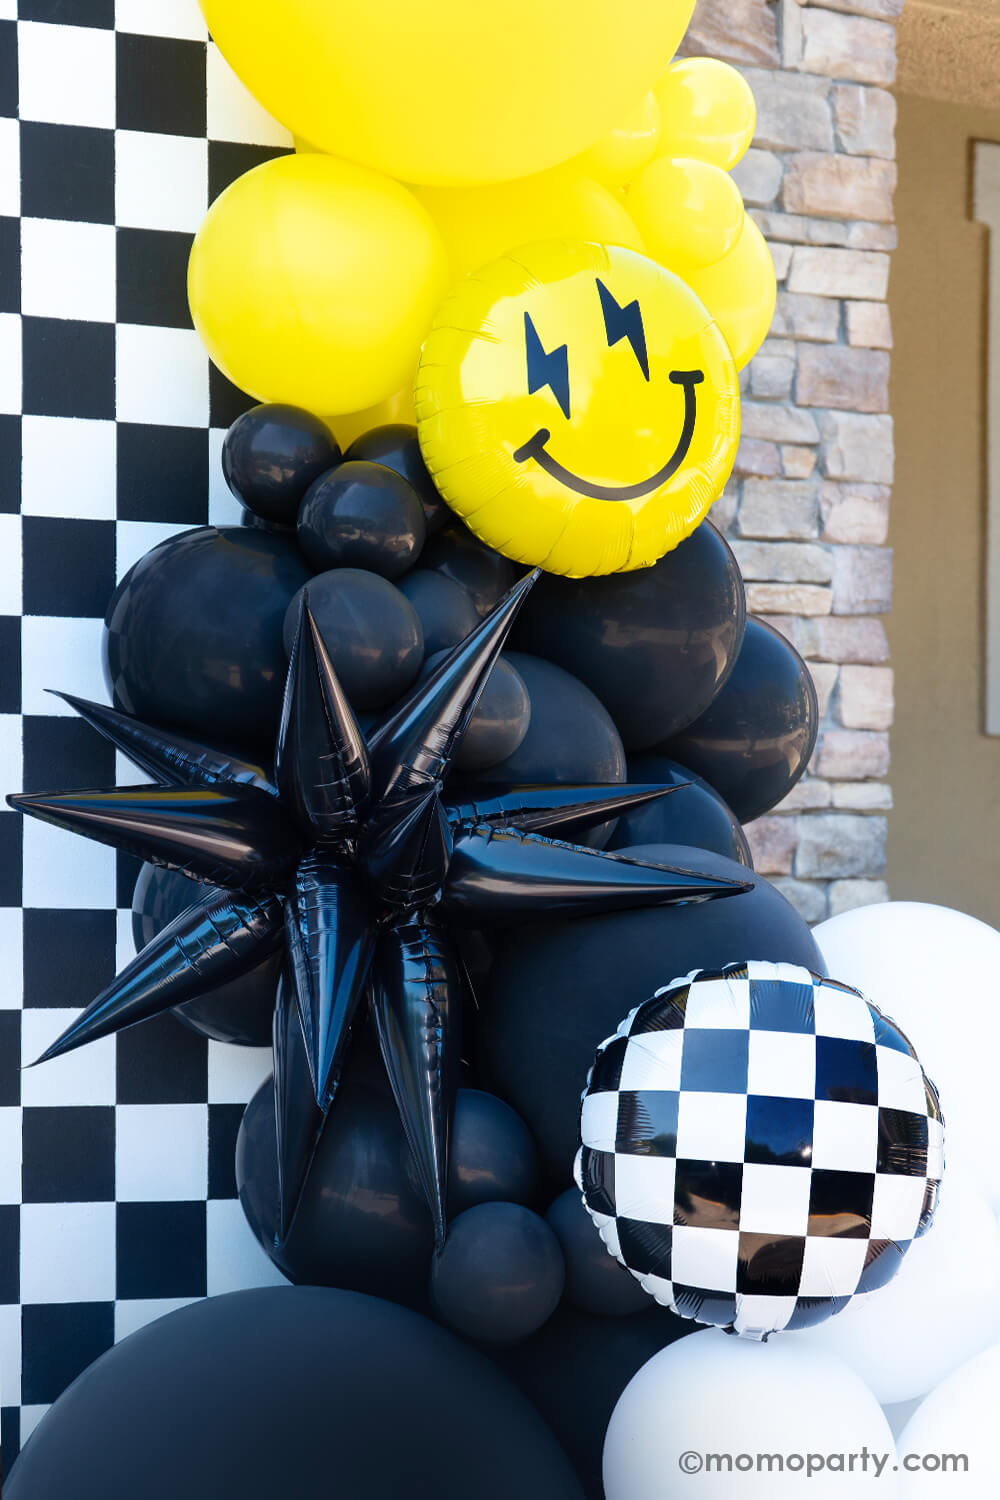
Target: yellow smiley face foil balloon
{"points": [[578, 407]]}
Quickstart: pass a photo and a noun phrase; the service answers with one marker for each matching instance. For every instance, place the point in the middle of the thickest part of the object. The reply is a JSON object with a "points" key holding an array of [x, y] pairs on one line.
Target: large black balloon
{"points": [[655, 644], [500, 721], [755, 739], [575, 1369], [362, 515], [595, 1281], [193, 633], [445, 608], [272, 454], [556, 994], [395, 445], [457, 554], [239, 1012], [298, 1392], [500, 1274], [493, 1158], [695, 814], [371, 631]]}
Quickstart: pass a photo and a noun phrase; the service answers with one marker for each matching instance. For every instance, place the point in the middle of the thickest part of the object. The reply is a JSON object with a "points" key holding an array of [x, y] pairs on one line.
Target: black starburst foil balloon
{"points": [[354, 860]]}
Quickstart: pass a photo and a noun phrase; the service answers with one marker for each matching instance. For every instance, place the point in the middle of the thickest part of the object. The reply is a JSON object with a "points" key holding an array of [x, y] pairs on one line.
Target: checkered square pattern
{"points": [[119, 123], [758, 1146]]}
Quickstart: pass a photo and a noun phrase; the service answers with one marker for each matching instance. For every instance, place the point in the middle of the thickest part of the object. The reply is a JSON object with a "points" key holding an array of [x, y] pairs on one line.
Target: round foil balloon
{"points": [[759, 1145], [578, 407]]}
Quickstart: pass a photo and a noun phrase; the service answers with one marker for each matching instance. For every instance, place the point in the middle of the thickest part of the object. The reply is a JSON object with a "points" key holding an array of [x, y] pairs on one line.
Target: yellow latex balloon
{"points": [[313, 281], [577, 407], [617, 156], [451, 92], [480, 224], [740, 292], [707, 111], [397, 408], [690, 213]]}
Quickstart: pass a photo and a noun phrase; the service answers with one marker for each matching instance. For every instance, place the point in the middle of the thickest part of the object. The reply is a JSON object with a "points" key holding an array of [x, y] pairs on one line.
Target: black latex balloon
{"points": [[445, 608], [500, 721], [239, 1012], [193, 633], [575, 1369], [595, 1281], [493, 1157], [755, 739], [500, 1274], [655, 644], [300, 1392], [562, 988], [695, 814], [272, 454], [395, 445], [362, 515], [456, 553], [371, 630]]}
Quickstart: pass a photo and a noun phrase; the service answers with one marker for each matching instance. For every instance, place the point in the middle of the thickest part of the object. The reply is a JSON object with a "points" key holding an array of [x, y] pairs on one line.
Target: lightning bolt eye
{"points": [[550, 370], [624, 323]]}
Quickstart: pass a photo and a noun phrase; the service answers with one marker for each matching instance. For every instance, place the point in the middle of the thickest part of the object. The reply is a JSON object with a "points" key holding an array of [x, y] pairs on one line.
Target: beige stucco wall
{"points": [[944, 834]]}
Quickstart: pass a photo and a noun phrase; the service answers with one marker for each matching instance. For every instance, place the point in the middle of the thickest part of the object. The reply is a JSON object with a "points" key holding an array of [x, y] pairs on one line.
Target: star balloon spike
{"points": [[353, 860]]}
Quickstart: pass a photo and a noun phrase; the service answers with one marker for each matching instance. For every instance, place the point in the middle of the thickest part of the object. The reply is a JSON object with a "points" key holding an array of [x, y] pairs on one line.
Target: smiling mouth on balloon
{"points": [[535, 448]]}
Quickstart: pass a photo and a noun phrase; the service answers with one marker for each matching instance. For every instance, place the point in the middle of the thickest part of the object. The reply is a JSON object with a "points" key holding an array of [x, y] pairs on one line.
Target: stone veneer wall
{"points": [[807, 509]]}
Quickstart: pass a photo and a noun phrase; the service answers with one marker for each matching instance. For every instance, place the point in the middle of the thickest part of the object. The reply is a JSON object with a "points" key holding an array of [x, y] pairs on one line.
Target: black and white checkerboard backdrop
{"points": [[119, 122]]}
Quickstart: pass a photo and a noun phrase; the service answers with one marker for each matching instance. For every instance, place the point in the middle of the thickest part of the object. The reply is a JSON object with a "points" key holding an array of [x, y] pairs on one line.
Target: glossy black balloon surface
{"points": [[362, 515], [755, 739], [193, 633], [303, 1393], [483, 573], [500, 1275], [695, 814], [655, 644], [595, 1281], [445, 608], [373, 632], [395, 445], [500, 721], [492, 1158], [272, 454]]}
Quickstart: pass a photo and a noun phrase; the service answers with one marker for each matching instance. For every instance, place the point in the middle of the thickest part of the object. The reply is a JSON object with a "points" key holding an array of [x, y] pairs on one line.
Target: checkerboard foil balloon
{"points": [[759, 1146]]}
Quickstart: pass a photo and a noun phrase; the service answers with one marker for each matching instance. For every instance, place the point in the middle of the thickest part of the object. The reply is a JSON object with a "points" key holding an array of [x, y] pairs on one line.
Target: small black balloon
{"points": [[362, 515], [655, 644], [193, 633], [501, 717], [272, 454], [754, 740], [595, 1281], [485, 574], [556, 994], [445, 608], [500, 1274], [240, 1012], [395, 445], [492, 1156], [304, 1392], [371, 630], [695, 814]]}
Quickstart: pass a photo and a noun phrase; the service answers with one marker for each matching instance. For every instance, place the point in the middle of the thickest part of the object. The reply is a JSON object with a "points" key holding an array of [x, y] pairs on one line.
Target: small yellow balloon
{"points": [[740, 292], [618, 156], [313, 281], [707, 111], [578, 407], [350, 425], [689, 213], [480, 224]]}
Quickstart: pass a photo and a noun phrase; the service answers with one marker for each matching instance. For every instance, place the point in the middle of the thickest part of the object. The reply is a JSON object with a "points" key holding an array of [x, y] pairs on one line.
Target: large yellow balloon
{"points": [[313, 281], [617, 156], [707, 111], [689, 213], [452, 91], [577, 407], [481, 224], [740, 292]]}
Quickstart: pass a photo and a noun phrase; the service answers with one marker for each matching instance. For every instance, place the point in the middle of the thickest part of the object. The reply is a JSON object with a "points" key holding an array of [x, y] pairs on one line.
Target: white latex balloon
{"points": [[934, 972], [710, 1394], [941, 1307], [956, 1422]]}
